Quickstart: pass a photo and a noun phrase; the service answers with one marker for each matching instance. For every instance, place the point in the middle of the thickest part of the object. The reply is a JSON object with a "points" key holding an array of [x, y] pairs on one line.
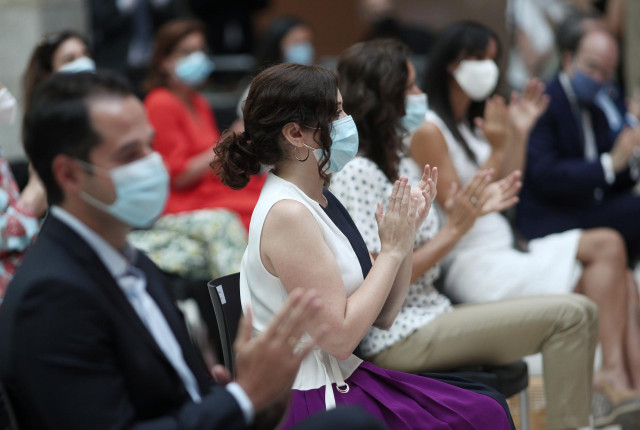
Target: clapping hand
{"points": [[397, 226], [526, 108], [495, 123], [502, 194], [464, 205], [425, 193]]}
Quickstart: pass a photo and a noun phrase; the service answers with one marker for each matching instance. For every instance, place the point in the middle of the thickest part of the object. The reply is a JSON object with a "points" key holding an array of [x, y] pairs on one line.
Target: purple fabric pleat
{"points": [[405, 401]]}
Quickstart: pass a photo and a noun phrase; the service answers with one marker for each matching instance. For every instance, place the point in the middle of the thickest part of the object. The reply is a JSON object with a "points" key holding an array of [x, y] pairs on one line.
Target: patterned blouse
{"points": [[359, 187], [18, 226]]}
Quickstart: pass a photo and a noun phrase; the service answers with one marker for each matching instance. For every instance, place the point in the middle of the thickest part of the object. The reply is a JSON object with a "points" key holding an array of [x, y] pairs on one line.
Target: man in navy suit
{"points": [[89, 337], [582, 158]]}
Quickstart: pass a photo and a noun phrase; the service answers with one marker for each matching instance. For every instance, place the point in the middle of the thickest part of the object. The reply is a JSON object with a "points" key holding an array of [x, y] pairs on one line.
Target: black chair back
{"points": [[225, 296]]}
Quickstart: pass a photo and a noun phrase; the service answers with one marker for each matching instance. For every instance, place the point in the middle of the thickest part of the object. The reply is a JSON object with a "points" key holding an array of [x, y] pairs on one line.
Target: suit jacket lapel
{"points": [[80, 250], [155, 287]]}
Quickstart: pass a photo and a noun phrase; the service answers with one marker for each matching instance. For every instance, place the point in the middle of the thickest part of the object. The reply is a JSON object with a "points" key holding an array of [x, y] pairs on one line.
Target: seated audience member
{"points": [[201, 234], [122, 34], [89, 337], [484, 265], [19, 211], [429, 334], [300, 235], [286, 39], [65, 51], [583, 154]]}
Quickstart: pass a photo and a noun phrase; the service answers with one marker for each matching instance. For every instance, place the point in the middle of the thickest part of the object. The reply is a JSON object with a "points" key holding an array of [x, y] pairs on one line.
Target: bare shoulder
{"points": [[289, 219], [428, 132]]}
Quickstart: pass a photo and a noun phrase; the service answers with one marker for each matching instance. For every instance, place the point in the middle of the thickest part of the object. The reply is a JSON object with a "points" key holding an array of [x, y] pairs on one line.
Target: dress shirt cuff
{"points": [[607, 166], [243, 400]]}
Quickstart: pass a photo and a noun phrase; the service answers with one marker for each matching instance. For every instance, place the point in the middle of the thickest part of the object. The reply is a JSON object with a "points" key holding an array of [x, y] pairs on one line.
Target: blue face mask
{"points": [[300, 53], [82, 64], [585, 87], [415, 110], [142, 189], [344, 146], [194, 69]]}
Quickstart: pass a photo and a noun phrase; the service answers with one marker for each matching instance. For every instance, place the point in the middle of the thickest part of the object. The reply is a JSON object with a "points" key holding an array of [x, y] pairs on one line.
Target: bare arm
{"points": [[294, 250], [197, 168]]}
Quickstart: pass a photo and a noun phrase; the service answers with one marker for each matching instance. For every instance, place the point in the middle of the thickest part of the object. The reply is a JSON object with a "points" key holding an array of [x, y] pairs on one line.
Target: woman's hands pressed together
{"points": [[397, 226]]}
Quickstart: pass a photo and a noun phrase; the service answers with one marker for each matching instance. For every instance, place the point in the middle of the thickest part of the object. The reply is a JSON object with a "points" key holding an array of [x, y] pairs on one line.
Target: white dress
{"points": [[484, 265]]}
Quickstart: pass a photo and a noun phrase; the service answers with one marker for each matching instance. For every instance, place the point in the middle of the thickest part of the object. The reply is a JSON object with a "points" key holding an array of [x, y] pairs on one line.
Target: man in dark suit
{"points": [[582, 158], [89, 337]]}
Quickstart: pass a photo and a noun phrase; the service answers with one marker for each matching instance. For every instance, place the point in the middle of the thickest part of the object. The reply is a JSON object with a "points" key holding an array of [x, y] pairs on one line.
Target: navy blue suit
{"points": [[74, 354], [562, 190]]}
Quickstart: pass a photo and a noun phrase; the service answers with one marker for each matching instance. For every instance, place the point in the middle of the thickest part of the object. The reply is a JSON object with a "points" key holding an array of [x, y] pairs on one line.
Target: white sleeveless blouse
{"points": [[266, 294]]}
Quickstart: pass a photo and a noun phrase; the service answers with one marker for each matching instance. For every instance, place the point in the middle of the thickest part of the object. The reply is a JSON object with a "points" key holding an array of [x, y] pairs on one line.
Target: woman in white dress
{"points": [[301, 236], [429, 334], [464, 133]]}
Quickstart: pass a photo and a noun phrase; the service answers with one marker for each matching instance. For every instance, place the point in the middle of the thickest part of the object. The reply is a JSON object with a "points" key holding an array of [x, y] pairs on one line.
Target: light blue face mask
{"points": [[194, 69], [142, 189], [415, 111], [300, 53], [344, 146], [82, 64]]}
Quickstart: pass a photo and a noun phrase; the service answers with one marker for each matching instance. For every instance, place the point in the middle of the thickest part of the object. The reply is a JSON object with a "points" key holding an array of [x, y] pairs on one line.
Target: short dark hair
{"points": [[372, 77], [58, 121]]}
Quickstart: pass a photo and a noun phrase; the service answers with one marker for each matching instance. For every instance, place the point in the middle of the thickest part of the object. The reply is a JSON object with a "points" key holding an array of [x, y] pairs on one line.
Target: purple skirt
{"points": [[405, 401]]}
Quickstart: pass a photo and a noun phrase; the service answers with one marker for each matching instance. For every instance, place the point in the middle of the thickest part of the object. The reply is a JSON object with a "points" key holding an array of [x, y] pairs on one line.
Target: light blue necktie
{"points": [[133, 282]]}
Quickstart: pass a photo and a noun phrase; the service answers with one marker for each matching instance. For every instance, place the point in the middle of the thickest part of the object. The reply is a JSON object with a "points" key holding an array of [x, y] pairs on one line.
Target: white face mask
{"points": [[8, 107], [477, 78]]}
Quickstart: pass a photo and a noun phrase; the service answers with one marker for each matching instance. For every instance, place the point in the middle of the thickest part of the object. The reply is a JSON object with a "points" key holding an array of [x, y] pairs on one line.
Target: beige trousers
{"points": [[563, 328]]}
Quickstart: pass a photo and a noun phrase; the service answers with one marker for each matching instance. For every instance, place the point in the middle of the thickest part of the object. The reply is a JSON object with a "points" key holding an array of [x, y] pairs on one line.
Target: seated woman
{"points": [[202, 233], [484, 265], [430, 334], [20, 212], [64, 51], [301, 236]]}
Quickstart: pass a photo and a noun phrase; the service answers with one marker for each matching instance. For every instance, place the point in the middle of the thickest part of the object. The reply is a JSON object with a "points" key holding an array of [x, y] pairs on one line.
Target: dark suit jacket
{"points": [[559, 184], [111, 32], [75, 355]]}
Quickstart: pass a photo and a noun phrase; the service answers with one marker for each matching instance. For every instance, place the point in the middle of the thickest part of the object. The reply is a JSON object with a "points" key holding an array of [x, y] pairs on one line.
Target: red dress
{"points": [[181, 135]]}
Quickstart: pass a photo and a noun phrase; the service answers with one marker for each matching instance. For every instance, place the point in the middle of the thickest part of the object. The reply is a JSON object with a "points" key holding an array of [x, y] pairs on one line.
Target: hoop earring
{"points": [[304, 159]]}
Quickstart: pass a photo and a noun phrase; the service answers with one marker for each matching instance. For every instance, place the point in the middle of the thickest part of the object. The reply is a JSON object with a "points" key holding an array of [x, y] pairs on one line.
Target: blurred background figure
{"points": [[20, 213], [202, 234], [382, 21], [229, 23], [122, 34], [286, 39], [64, 51]]}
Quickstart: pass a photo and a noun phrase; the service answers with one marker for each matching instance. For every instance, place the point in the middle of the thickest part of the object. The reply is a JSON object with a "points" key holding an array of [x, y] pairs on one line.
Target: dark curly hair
{"points": [[373, 81], [281, 94]]}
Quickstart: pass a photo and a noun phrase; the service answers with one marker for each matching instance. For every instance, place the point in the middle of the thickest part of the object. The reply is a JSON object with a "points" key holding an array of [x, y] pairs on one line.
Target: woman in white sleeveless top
{"points": [[301, 236], [485, 265]]}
